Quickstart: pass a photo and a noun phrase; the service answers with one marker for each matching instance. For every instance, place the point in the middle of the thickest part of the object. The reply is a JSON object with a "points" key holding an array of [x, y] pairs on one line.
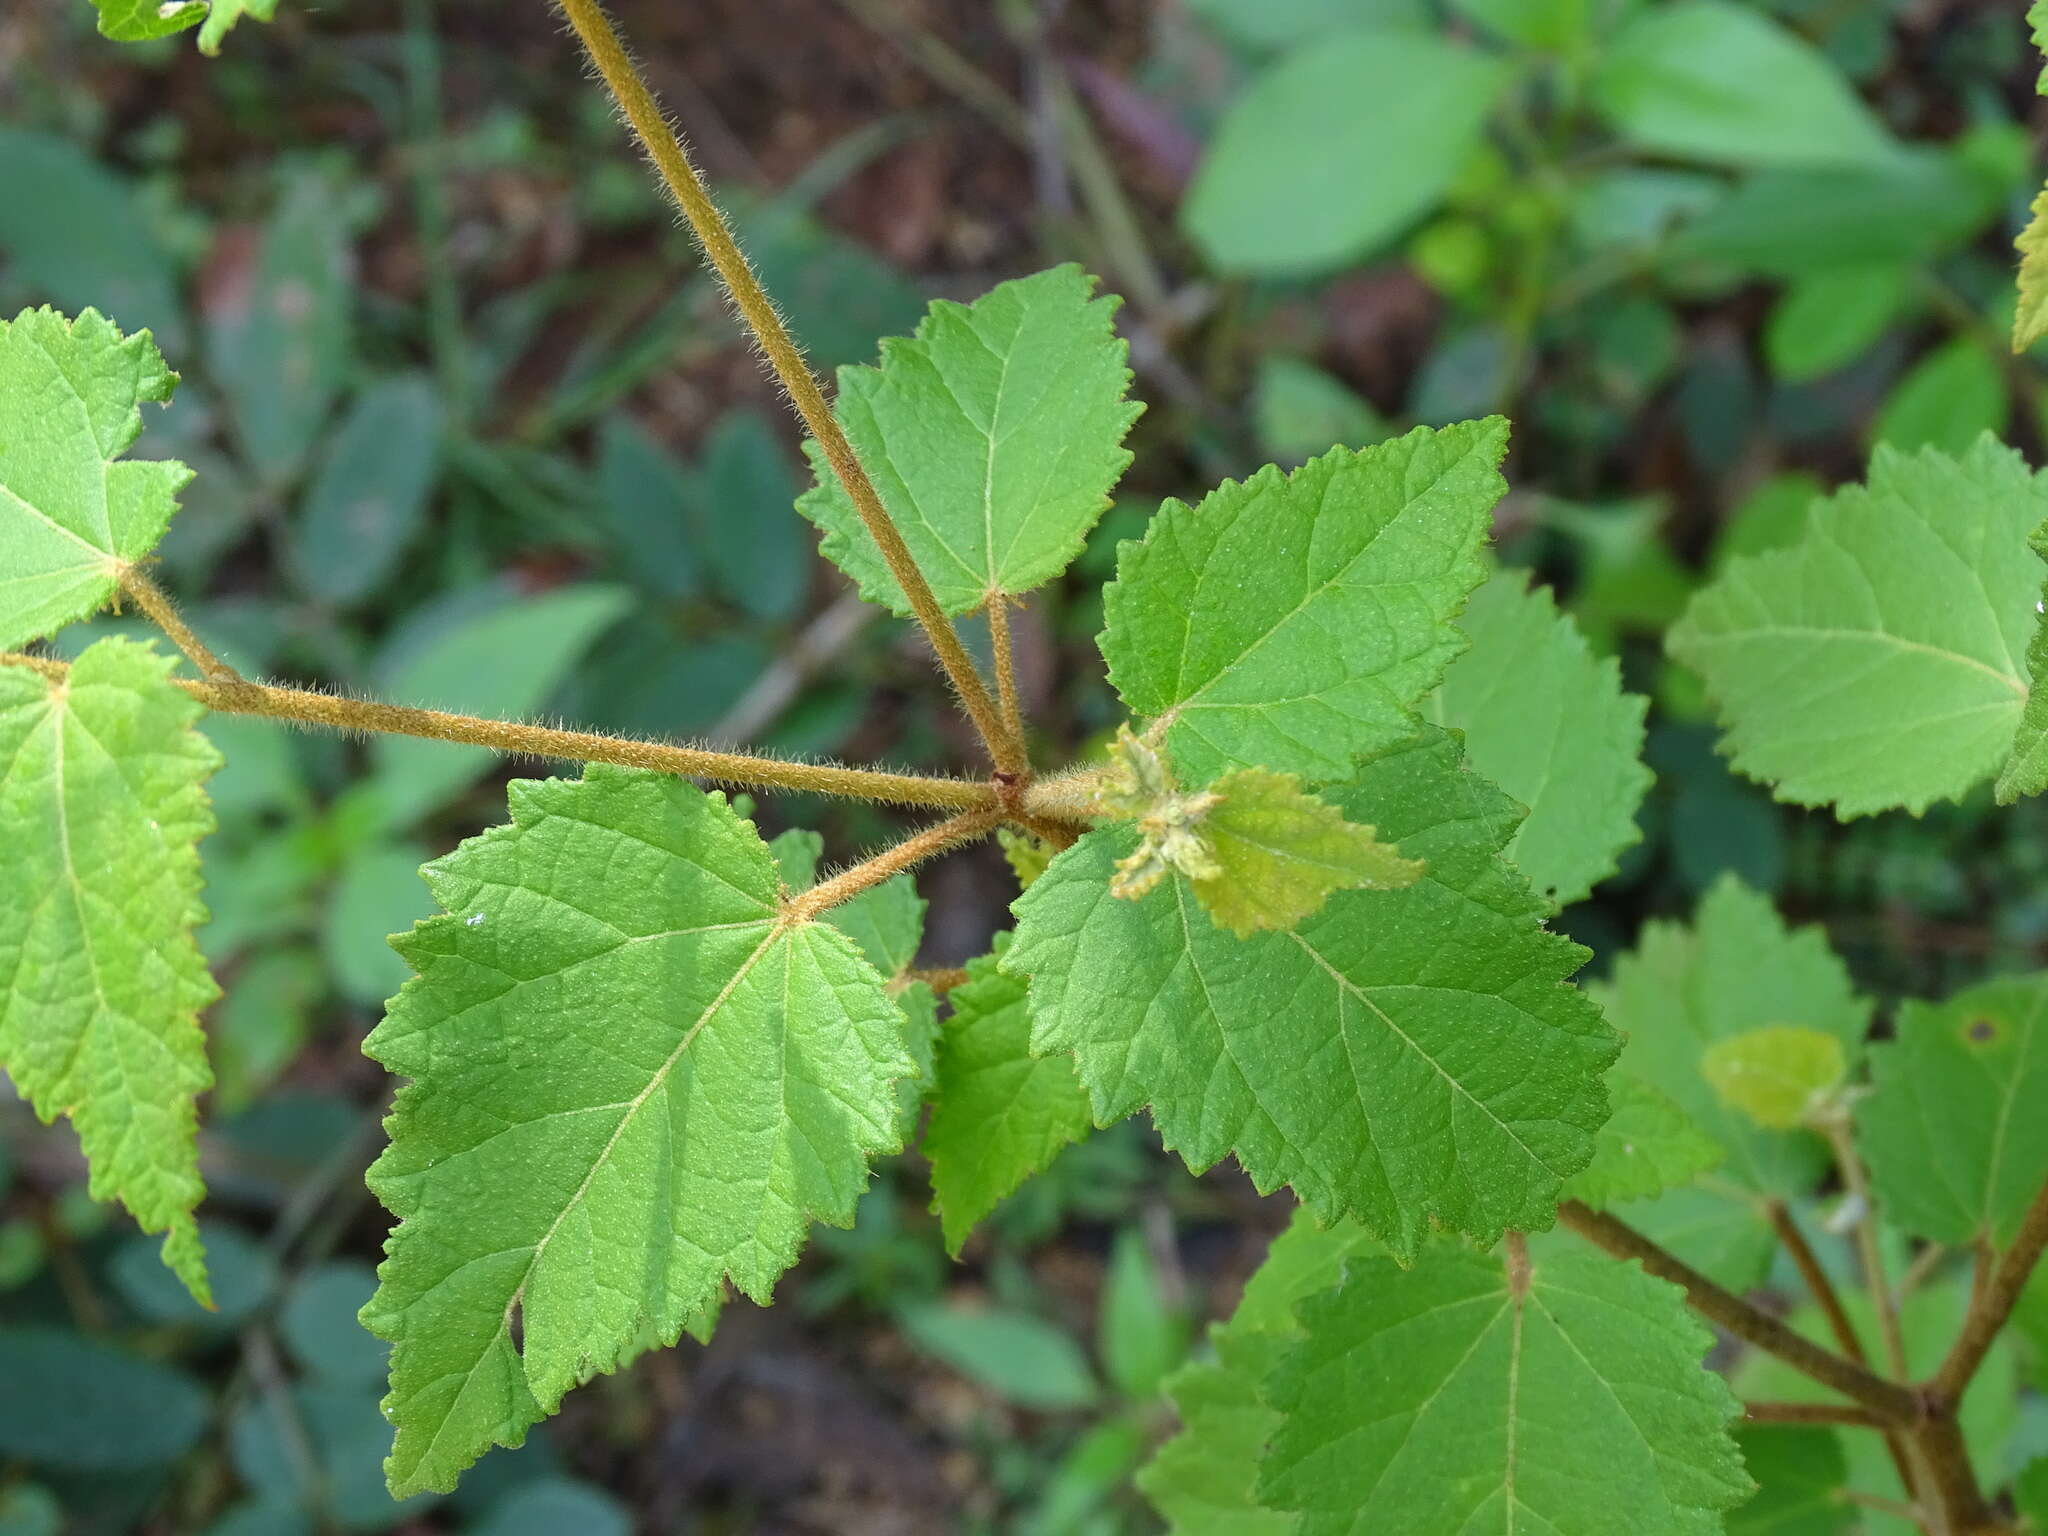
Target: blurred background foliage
{"points": [[473, 430]]}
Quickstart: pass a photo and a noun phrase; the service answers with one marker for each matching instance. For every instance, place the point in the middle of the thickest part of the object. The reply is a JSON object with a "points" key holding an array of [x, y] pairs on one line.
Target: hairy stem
{"points": [[664, 146], [1006, 675], [1811, 1413], [907, 854], [941, 980], [1889, 1400], [163, 613], [1993, 1302]]}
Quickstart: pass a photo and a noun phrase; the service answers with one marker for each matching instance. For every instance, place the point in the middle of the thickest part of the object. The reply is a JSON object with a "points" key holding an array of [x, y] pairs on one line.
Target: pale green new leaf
{"points": [[631, 1079], [1293, 621], [1204, 1480], [1403, 1056], [1877, 662], [993, 436], [1647, 1146], [2030, 319], [104, 806], [70, 515], [1737, 968], [136, 21], [223, 15], [1778, 1075], [999, 1114], [1549, 722], [1470, 1398], [2026, 765], [1953, 1131]]}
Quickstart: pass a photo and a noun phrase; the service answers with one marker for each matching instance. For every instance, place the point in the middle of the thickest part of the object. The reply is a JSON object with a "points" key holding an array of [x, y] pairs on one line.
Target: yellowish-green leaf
{"points": [[223, 15], [137, 21], [1647, 1146], [72, 513], [1778, 1075], [1026, 854], [101, 984], [2030, 320]]}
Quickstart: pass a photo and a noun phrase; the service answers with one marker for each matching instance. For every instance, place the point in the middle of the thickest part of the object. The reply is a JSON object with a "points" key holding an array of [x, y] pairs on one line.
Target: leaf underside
{"points": [[631, 1080], [101, 983]]}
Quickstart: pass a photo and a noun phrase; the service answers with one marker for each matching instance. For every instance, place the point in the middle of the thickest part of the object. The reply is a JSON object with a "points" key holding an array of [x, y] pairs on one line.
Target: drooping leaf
{"points": [[104, 807], [136, 21], [1297, 179], [1010, 1352], [73, 511], [1876, 664], [993, 436], [1647, 1146], [1468, 1394], [1292, 622], [1737, 968], [1776, 1075], [1713, 80], [1204, 1480], [632, 1079], [1952, 1131], [1403, 1055], [1549, 722], [1000, 1113]]}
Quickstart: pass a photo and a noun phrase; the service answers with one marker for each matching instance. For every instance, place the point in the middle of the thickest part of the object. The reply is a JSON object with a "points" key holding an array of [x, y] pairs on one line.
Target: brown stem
{"points": [[1951, 1482], [305, 707], [664, 146], [1811, 1413], [941, 979], [1892, 1402], [1006, 680], [163, 613], [1992, 1303], [907, 854]]}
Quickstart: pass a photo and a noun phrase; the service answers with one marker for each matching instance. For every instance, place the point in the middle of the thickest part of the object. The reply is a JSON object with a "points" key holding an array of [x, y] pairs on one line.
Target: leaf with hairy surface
{"points": [[1292, 622], [1647, 1146], [632, 1076], [104, 806], [993, 436], [1403, 1056]]}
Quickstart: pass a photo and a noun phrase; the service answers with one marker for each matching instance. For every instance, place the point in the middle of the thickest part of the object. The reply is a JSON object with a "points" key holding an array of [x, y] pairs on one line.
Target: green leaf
{"points": [[1013, 1354], [136, 21], [2030, 1488], [998, 1112], [1284, 23], [71, 516], [1800, 1473], [1300, 411], [1828, 320], [1778, 1075], [632, 1079], [94, 1408], [1647, 1146], [1549, 722], [1738, 968], [1875, 664], [758, 550], [1298, 180], [222, 16], [1026, 854], [369, 491], [1713, 80], [1402, 1056], [1951, 1130], [886, 921], [1292, 622], [1468, 1394], [1204, 1479], [1945, 401], [994, 437], [1141, 1334], [99, 1020], [2026, 765]]}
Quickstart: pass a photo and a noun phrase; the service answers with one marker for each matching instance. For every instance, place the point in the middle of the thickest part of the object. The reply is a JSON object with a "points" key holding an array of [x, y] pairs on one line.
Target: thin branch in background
{"points": [[664, 147], [1875, 1280], [772, 693], [1811, 1413]]}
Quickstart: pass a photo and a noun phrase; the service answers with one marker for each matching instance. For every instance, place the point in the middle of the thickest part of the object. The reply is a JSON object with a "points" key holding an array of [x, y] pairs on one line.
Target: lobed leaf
{"points": [[1951, 1130], [1471, 1393], [633, 1079], [1648, 1145], [1403, 1056], [999, 1113], [1876, 663], [72, 512], [1292, 622], [1778, 1075], [1549, 722], [2030, 319], [993, 436], [137, 21], [2026, 765], [104, 804]]}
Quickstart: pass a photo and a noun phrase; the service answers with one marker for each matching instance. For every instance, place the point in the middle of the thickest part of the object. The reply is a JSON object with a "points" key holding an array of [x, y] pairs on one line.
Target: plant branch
{"points": [[1812, 1413], [664, 146], [1992, 1303], [1836, 1129], [1006, 673], [1892, 1402], [941, 980], [306, 707], [163, 613], [907, 854]]}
